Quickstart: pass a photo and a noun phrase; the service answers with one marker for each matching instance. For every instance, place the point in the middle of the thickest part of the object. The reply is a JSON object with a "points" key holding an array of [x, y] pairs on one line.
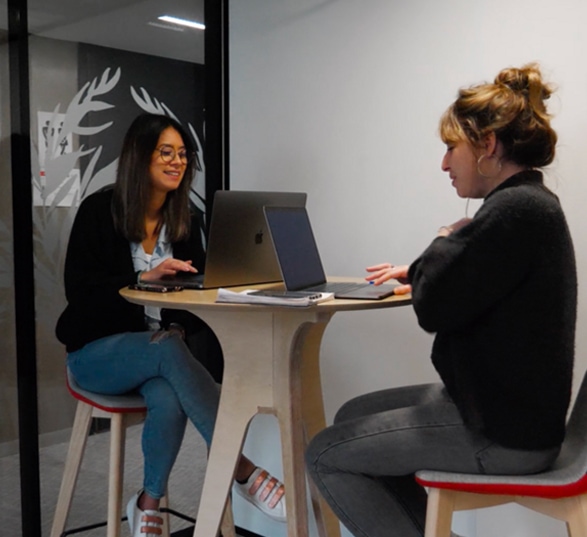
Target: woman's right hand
{"points": [[386, 271], [445, 231], [168, 267]]}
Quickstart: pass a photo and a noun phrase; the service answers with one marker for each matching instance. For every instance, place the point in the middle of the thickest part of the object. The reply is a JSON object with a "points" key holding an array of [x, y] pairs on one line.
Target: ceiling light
{"points": [[173, 27], [182, 22]]}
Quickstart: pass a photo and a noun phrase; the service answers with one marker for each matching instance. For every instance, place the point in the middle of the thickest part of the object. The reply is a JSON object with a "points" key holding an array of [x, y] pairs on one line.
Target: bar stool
{"points": [[560, 492], [122, 411]]}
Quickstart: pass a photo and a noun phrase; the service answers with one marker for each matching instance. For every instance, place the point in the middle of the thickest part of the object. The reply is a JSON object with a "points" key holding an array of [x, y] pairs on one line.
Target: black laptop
{"points": [[240, 251], [299, 260]]}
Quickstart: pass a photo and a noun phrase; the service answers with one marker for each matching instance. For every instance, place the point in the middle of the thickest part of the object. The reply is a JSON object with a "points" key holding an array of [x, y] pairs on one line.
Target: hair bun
{"points": [[526, 80]]}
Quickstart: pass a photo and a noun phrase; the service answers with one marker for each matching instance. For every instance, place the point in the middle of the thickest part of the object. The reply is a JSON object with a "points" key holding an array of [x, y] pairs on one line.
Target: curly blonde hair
{"points": [[513, 107]]}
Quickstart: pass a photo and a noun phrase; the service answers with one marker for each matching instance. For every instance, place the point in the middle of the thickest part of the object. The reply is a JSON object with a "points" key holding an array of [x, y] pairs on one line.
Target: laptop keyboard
{"points": [[338, 287]]}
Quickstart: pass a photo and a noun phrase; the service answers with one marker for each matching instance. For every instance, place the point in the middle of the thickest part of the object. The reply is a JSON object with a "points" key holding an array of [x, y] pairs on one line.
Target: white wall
{"points": [[341, 99]]}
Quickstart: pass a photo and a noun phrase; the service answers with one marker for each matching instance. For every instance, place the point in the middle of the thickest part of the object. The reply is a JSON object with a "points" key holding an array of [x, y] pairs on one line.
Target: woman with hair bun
{"points": [[499, 290]]}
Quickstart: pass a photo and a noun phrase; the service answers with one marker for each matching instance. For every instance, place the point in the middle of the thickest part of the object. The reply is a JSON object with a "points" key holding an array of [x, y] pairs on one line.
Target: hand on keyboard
{"points": [[386, 271]]}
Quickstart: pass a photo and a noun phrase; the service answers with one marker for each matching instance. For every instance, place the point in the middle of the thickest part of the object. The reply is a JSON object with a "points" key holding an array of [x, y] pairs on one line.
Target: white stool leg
{"points": [[75, 452]]}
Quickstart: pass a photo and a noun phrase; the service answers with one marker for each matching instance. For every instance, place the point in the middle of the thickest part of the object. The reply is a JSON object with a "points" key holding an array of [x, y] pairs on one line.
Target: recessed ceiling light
{"points": [[182, 22]]}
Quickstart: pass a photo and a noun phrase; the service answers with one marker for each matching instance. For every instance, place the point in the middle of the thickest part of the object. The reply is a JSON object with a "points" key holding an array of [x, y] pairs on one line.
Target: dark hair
{"points": [[513, 108], [132, 189]]}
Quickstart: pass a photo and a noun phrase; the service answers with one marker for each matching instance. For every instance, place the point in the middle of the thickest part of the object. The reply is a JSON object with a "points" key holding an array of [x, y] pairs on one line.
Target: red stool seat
{"points": [[108, 403]]}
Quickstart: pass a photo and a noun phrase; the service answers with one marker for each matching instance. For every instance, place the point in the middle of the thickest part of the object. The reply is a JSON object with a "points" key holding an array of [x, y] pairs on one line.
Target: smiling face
{"points": [[167, 176], [460, 162]]}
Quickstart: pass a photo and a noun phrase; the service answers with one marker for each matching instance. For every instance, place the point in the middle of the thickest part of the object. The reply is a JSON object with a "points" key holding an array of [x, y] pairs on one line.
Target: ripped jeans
{"points": [[175, 386], [364, 464]]}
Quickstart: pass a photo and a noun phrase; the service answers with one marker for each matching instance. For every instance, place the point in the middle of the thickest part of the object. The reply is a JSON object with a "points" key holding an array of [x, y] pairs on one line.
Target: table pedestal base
{"points": [[271, 365]]}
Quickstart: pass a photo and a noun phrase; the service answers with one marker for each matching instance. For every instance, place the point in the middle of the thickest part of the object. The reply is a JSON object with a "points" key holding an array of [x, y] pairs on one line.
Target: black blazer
{"points": [[97, 266]]}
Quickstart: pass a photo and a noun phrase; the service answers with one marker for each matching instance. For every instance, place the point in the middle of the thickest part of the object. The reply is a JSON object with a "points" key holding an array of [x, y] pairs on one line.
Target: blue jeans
{"points": [[364, 463], [175, 387]]}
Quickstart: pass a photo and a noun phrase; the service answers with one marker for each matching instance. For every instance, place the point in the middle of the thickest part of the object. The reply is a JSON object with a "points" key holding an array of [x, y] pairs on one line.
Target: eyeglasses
{"points": [[168, 154]]}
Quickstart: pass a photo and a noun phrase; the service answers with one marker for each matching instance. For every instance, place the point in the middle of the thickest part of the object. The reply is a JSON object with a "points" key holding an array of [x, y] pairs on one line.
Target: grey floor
{"points": [[89, 504]]}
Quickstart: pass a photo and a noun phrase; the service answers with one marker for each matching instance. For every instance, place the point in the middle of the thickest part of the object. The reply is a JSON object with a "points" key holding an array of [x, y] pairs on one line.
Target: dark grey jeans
{"points": [[364, 463]]}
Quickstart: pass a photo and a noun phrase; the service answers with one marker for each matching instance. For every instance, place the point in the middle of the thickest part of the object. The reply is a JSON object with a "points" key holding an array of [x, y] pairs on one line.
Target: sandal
{"points": [[148, 523], [265, 492]]}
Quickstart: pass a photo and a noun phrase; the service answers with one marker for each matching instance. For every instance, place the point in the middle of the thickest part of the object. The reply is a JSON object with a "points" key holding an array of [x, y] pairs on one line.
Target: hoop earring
{"points": [[497, 166]]}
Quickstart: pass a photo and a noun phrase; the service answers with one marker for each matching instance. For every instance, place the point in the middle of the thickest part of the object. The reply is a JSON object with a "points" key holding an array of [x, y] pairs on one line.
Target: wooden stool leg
{"points": [[227, 523], [439, 513], [75, 452], [116, 478], [164, 504], [577, 516]]}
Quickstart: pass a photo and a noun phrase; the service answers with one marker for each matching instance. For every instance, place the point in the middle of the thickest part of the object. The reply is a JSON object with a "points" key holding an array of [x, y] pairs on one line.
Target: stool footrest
{"points": [[178, 514]]}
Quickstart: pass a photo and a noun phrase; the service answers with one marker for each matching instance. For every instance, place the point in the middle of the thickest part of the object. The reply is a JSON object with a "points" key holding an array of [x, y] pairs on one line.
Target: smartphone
{"points": [[287, 294], [155, 287]]}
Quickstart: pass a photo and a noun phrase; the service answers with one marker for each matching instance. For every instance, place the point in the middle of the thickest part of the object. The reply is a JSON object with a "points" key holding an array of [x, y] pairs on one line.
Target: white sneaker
{"points": [[265, 492], [147, 523]]}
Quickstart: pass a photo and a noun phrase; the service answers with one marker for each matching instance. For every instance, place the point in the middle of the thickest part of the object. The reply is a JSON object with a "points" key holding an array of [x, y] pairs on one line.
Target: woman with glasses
{"points": [[139, 231]]}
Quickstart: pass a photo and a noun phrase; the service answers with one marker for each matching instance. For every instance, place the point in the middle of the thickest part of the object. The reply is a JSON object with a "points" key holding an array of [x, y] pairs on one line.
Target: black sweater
{"points": [[501, 294], [97, 266]]}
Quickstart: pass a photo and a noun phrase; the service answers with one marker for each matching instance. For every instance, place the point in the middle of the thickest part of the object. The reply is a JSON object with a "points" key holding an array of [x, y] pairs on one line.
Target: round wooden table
{"points": [[271, 365]]}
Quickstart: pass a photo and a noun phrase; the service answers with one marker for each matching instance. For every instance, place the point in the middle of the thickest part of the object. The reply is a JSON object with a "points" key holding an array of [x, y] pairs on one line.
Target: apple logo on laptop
{"points": [[259, 237]]}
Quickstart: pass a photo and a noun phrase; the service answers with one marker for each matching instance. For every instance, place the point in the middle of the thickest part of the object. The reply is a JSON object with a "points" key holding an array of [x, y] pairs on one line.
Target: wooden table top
{"points": [[187, 299]]}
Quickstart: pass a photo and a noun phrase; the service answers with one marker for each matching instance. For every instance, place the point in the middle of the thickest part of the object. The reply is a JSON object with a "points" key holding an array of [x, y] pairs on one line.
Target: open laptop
{"points": [[239, 249], [300, 262]]}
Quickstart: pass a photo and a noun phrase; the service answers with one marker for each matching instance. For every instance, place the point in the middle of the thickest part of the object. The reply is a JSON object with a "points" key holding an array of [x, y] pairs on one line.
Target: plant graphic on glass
{"points": [[59, 189]]}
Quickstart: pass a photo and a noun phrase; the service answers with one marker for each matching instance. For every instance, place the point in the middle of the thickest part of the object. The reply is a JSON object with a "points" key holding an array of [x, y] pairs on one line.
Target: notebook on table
{"points": [[299, 259], [240, 251]]}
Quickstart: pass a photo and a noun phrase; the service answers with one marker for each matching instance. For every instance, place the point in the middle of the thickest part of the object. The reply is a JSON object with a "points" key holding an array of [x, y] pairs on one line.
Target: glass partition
{"points": [[93, 67]]}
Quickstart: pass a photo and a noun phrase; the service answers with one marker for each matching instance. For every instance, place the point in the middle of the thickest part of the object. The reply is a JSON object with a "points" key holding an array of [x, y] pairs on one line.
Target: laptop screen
{"points": [[295, 247], [239, 248]]}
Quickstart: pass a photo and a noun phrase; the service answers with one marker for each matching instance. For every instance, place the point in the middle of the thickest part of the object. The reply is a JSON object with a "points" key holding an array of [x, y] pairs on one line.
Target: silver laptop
{"points": [[240, 251], [300, 262]]}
